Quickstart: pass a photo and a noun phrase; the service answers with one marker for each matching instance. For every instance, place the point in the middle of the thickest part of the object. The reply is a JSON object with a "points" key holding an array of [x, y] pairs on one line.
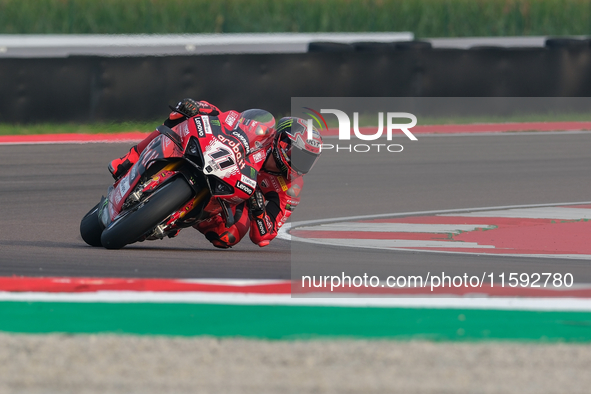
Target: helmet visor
{"points": [[302, 161]]}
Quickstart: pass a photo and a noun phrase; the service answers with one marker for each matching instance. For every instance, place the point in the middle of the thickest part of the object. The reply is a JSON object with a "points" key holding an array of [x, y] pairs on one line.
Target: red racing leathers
{"points": [[281, 195]]}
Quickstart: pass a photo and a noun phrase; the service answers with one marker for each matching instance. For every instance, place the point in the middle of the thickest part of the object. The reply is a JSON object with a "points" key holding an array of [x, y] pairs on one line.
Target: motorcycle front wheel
{"points": [[151, 212]]}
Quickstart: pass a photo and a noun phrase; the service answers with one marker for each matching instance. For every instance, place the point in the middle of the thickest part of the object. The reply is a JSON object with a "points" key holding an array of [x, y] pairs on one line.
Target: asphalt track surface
{"points": [[46, 189]]}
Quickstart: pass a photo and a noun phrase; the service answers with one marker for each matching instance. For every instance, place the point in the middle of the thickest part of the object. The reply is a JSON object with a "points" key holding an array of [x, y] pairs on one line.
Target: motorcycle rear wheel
{"points": [[154, 210], [91, 227]]}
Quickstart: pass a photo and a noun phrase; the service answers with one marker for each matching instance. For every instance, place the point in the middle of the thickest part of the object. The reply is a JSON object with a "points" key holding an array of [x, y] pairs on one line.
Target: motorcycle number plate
{"points": [[220, 160]]}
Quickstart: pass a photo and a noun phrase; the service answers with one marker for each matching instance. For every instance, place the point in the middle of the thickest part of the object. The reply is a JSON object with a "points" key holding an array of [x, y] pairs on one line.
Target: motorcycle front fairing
{"points": [[160, 148], [223, 156]]}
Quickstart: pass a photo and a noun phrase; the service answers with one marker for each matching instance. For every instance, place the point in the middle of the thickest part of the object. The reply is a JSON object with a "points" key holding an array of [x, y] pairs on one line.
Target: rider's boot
{"points": [[214, 229], [120, 166]]}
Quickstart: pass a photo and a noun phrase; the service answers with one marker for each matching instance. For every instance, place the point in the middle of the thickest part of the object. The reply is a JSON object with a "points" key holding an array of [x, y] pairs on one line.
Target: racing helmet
{"points": [[293, 149], [259, 126]]}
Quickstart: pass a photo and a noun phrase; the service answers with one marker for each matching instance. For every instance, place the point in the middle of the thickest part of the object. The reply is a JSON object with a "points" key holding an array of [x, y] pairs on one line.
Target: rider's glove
{"points": [[187, 107], [256, 204], [206, 108]]}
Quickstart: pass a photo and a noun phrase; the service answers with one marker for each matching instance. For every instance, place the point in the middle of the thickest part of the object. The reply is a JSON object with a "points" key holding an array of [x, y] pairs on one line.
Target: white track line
{"points": [[558, 213], [397, 243], [472, 301], [284, 231], [320, 300], [397, 227]]}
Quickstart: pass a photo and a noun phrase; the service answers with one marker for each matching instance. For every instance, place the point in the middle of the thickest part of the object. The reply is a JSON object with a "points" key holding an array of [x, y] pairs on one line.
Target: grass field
{"points": [[90, 128], [365, 120], [426, 18]]}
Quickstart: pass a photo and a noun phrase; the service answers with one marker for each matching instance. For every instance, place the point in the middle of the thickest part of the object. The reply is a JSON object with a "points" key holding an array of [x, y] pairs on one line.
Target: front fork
{"points": [[166, 173]]}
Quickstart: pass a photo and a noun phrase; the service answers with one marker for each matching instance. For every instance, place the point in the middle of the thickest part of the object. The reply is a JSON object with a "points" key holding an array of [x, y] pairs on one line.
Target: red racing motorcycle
{"points": [[197, 169]]}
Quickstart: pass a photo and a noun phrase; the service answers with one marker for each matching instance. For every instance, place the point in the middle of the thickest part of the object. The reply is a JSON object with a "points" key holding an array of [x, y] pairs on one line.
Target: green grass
{"points": [[426, 18], [364, 120], [94, 128]]}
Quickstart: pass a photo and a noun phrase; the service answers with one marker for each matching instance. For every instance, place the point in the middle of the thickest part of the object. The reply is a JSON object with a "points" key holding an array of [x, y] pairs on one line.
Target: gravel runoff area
{"points": [[130, 364]]}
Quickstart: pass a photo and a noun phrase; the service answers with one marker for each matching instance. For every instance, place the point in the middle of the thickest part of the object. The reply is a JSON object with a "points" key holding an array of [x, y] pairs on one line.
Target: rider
{"points": [[279, 180]]}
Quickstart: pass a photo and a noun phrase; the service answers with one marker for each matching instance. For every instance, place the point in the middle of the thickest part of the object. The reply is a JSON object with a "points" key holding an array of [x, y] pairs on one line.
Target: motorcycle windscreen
{"points": [[259, 115]]}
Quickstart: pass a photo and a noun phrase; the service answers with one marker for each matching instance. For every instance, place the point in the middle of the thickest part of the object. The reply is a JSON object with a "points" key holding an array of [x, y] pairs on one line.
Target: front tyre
{"points": [[91, 228], [154, 210]]}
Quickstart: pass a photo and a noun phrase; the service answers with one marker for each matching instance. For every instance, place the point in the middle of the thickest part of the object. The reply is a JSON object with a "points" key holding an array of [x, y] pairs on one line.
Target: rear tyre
{"points": [[91, 228], [154, 210]]}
